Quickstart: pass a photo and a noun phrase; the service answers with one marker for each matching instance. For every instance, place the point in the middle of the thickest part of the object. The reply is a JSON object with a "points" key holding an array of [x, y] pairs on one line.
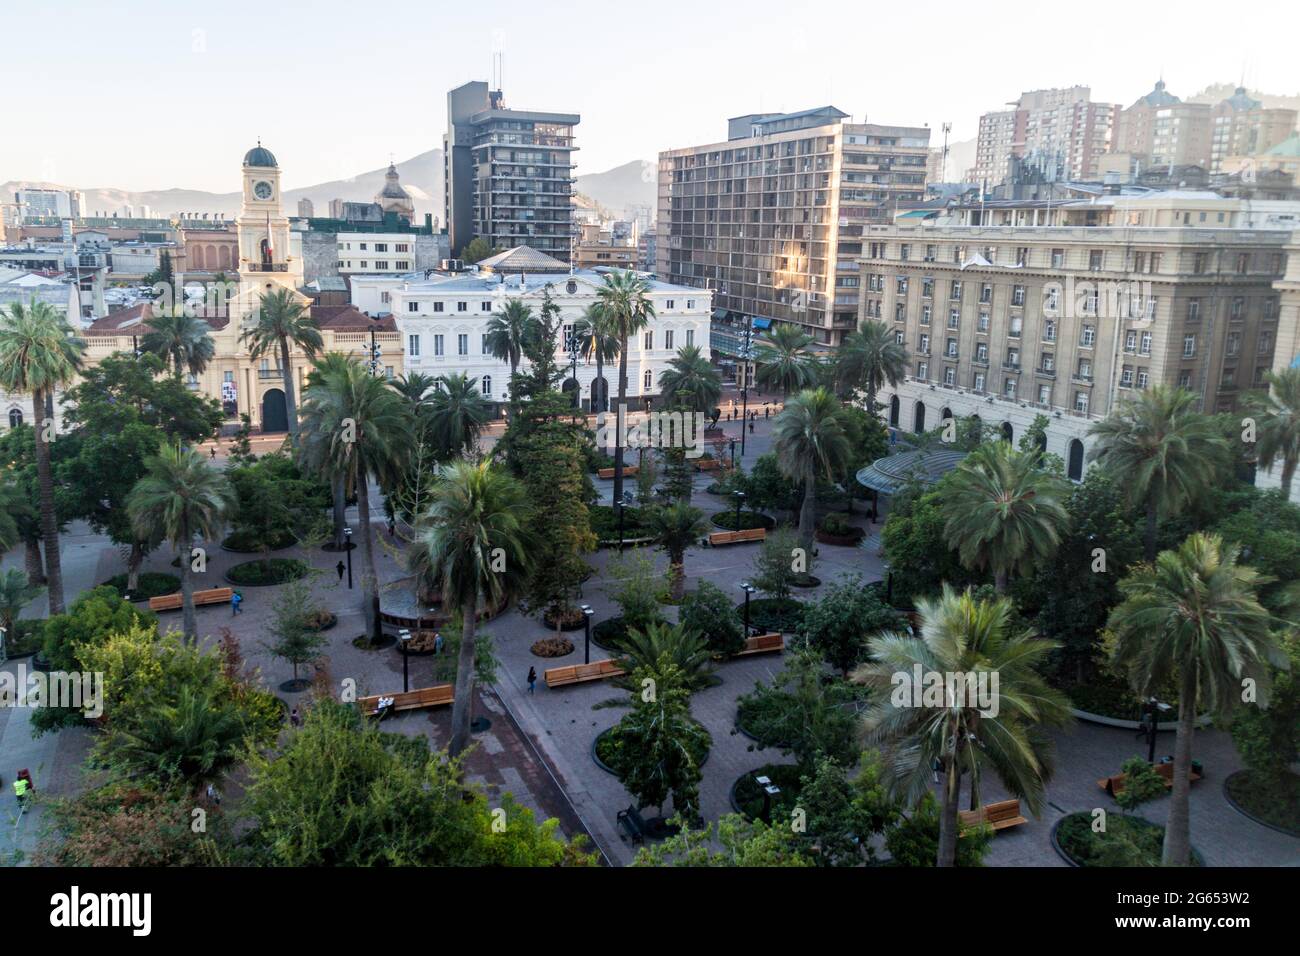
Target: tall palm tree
{"points": [[783, 359], [39, 353], [414, 387], [867, 359], [182, 340], [181, 495], [1193, 618], [676, 527], [809, 439], [1161, 451], [324, 366], [625, 304], [691, 372], [281, 324], [458, 413], [354, 426], [472, 547], [1277, 423], [1003, 512], [507, 333], [962, 733], [597, 342]]}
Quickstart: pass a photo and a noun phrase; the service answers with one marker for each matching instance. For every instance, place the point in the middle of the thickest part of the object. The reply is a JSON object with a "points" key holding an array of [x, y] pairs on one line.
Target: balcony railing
{"points": [[1011, 366], [268, 267], [1045, 372]]}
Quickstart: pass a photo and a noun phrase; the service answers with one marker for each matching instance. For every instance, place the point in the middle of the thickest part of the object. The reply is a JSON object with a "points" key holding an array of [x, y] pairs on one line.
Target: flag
{"points": [[269, 245]]}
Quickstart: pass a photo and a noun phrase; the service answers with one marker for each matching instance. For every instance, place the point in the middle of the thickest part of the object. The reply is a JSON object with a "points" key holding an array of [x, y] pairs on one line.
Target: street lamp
{"points": [[587, 614], [404, 636], [889, 583], [746, 351], [347, 545], [733, 454], [748, 589], [740, 498]]}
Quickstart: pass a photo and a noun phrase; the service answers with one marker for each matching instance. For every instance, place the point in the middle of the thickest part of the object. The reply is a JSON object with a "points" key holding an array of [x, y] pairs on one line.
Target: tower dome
{"points": [[393, 197], [259, 155]]}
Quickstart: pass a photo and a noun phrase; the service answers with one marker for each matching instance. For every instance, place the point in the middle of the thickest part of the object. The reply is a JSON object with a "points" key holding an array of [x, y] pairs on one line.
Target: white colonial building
{"points": [[443, 320]]}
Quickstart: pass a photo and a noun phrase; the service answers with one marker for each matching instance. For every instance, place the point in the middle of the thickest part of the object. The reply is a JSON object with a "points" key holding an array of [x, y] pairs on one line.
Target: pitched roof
{"points": [[348, 318], [523, 259], [135, 320]]}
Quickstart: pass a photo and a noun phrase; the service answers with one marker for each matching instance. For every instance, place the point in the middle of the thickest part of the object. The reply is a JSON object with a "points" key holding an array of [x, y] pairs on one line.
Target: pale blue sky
{"points": [[144, 94]]}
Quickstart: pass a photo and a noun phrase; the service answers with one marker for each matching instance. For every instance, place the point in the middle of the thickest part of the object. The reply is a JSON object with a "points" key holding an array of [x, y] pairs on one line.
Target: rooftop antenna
{"points": [[943, 168], [498, 69]]}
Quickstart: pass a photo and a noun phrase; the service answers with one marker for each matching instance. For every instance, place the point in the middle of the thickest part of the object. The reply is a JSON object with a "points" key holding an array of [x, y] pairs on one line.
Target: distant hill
{"points": [[621, 189]]}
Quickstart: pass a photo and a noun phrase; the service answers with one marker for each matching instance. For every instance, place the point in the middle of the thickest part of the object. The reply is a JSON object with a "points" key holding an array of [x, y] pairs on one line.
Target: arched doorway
{"points": [[919, 426], [264, 248], [1075, 469], [15, 417], [275, 417], [600, 394], [571, 389], [893, 410], [1008, 433], [945, 414]]}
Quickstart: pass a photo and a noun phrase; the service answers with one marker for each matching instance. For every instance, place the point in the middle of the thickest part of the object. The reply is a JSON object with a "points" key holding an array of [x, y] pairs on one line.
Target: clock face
{"points": [[262, 190]]}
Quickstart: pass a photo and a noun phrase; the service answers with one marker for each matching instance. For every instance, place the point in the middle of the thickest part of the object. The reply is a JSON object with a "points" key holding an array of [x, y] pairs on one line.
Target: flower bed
{"points": [[571, 621], [321, 620], [264, 573], [552, 647], [1277, 807], [747, 796], [607, 750], [773, 614], [150, 584], [726, 520], [1127, 841]]}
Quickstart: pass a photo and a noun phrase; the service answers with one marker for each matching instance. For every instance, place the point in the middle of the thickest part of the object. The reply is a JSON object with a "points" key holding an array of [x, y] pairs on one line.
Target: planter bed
{"points": [[150, 584], [575, 624], [841, 540], [749, 520], [747, 797], [268, 573], [600, 749], [1075, 842], [773, 614], [1277, 811], [609, 632], [551, 647], [250, 544]]}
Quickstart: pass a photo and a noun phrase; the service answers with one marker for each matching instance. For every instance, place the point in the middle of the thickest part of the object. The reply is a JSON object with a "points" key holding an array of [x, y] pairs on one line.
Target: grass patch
{"points": [[1276, 803], [266, 572], [151, 584]]}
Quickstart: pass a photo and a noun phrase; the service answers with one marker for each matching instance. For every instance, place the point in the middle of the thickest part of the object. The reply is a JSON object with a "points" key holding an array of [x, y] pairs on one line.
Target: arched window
{"points": [[920, 418], [1075, 470], [1008, 433], [487, 385], [945, 414], [15, 417], [649, 380], [893, 410], [196, 258]]}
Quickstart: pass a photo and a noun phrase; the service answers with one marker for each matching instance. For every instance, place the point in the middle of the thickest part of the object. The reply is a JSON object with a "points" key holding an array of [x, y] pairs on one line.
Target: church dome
{"points": [[259, 155], [393, 197]]}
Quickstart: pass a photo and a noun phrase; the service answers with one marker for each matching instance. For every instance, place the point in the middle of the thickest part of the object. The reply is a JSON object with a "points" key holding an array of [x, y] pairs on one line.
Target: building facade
{"points": [[1159, 129], [772, 220], [1061, 132], [1243, 127]]}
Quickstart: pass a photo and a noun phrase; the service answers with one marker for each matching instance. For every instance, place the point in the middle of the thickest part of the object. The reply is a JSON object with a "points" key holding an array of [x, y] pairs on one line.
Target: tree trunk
{"points": [[1178, 838], [600, 378], [1000, 581], [677, 577], [948, 828], [369, 577], [133, 563], [1288, 473], [462, 706], [188, 621], [290, 407], [618, 430], [1150, 538], [35, 565], [49, 522], [808, 512], [340, 511]]}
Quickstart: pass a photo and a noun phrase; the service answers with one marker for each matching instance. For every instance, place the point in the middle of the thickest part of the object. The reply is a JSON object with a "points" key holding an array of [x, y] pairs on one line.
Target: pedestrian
{"points": [[392, 527], [295, 718], [213, 452], [751, 426], [21, 787], [214, 795], [532, 679], [766, 411], [437, 642], [236, 599]]}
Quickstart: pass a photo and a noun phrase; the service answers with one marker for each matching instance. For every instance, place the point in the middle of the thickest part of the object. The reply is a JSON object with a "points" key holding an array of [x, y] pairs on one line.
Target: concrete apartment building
{"points": [[1159, 129], [509, 173], [1243, 127], [1017, 308], [772, 220], [1060, 131], [599, 246], [1286, 350]]}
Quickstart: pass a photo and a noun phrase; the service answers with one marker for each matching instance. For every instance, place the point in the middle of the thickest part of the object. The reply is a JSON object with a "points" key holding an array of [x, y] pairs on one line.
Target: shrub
{"points": [[1141, 783], [149, 585], [837, 525], [709, 611], [604, 523], [726, 520], [552, 647], [267, 572], [637, 589], [750, 796], [781, 615], [914, 839], [841, 622], [1126, 841]]}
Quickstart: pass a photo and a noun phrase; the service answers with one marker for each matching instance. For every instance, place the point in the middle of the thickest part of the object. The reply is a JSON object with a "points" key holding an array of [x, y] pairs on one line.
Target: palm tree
{"points": [[183, 340], [1277, 423], [1003, 512], [626, 307], [867, 359], [1000, 726], [676, 527], [191, 741], [39, 353], [507, 332], [356, 427], [658, 644], [414, 387], [1193, 618], [282, 323], [597, 342], [783, 360], [458, 413], [691, 372], [324, 366], [472, 547], [1161, 451], [809, 439], [181, 495]]}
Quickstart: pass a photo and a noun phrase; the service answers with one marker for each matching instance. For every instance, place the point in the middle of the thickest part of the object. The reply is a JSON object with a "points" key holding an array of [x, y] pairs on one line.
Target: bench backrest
{"points": [[1004, 810], [215, 593], [555, 674]]}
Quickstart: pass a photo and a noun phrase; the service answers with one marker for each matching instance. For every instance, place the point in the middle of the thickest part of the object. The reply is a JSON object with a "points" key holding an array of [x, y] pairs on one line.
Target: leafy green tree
{"points": [[809, 439], [1193, 618], [120, 390], [476, 250], [767, 486], [916, 546], [627, 309], [473, 544], [995, 721], [742, 842], [15, 594], [192, 740], [1003, 513], [180, 338], [1161, 451], [636, 589], [283, 323], [660, 739], [1266, 530], [774, 568], [784, 361], [181, 495], [709, 612], [1141, 784], [916, 838], [598, 342], [868, 358], [675, 528], [292, 637], [39, 354], [839, 624], [1277, 423], [691, 377], [1268, 737], [844, 810]]}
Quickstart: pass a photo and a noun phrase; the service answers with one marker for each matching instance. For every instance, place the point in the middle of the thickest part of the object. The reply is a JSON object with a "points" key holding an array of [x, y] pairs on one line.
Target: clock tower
{"points": [[267, 255]]}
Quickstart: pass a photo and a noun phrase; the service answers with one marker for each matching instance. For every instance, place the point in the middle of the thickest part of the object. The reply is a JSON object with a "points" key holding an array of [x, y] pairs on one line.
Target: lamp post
{"points": [[740, 498], [733, 454], [746, 350], [347, 546], [1154, 709], [404, 636], [573, 367], [748, 589], [587, 613], [770, 792], [375, 350]]}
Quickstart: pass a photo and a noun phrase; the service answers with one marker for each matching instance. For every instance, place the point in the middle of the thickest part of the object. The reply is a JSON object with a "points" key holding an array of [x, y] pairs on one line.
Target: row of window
{"points": [[1148, 262], [378, 247], [413, 342], [380, 265], [485, 306]]}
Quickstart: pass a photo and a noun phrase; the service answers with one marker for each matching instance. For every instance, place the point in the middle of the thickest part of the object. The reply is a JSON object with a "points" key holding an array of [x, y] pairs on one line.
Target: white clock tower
{"points": [[266, 256]]}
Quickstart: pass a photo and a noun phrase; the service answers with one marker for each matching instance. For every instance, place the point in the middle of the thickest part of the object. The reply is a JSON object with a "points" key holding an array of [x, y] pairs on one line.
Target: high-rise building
{"points": [[1243, 127], [1061, 132], [509, 173], [39, 202], [1018, 308], [771, 220], [1159, 129], [1286, 351]]}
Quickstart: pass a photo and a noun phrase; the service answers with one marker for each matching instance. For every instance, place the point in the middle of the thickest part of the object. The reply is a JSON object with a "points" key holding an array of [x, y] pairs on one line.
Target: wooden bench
{"points": [[1115, 784], [1000, 816], [581, 673], [436, 696], [628, 471], [635, 825], [763, 644], [708, 464], [171, 602], [719, 538]]}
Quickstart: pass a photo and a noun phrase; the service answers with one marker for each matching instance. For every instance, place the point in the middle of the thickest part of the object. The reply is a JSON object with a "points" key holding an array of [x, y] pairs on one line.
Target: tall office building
{"points": [[772, 219], [1159, 129], [509, 173], [1061, 132]]}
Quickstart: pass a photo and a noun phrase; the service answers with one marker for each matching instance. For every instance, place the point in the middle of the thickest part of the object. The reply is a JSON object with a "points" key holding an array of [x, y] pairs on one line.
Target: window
{"points": [[668, 338], [1144, 378], [1184, 379], [385, 297], [1199, 263], [1229, 378], [483, 345], [1044, 394], [404, 264], [401, 247], [927, 288], [690, 337], [982, 352], [1022, 255], [1270, 309], [978, 382], [923, 345], [954, 318], [1264, 345], [901, 285], [485, 306], [1049, 331], [647, 380], [1096, 260], [437, 345], [1058, 258], [462, 306], [923, 370], [1189, 346], [1130, 341], [904, 251], [1193, 310], [1017, 324], [437, 307], [898, 311], [690, 304], [1085, 369], [1013, 358], [955, 295], [898, 336], [1237, 312], [649, 342], [1081, 402], [1234, 343], [462, 344], [1052, 299], [1048, 361], [411, 306], [1243, 263], [381, 263], [986, 293], [1126, 377], [670, 303], [1145, 347], [1009, 389], [1087, 336], [949, 375], [951, 349], [983, 324], [381, 247], [486, 385], [363, 247], [413, 346], [1018, 295]]}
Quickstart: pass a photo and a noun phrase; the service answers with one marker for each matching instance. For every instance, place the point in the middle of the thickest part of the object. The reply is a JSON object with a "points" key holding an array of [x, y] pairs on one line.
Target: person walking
{"points": [[437, 642], [295, 718], [532, 679], [236, 600], [21, 787]]}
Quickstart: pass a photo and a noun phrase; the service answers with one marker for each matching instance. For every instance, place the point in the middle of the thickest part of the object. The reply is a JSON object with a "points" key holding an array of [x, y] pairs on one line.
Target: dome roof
{"points": [[259, 155], [392, 188]]}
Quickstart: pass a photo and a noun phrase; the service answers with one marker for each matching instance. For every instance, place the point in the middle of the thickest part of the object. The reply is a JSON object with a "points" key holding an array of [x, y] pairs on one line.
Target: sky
{"points": [[150, 94]]}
